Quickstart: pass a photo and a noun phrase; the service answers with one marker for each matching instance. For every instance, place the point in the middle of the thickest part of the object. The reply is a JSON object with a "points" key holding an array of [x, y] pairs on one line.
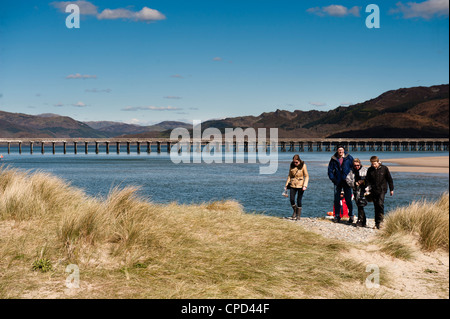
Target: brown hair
{"points": [[297, 158], [374, 159]]}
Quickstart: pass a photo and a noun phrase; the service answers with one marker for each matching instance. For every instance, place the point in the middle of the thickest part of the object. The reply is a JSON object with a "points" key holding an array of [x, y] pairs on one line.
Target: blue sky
{"points": [[145, 62]]}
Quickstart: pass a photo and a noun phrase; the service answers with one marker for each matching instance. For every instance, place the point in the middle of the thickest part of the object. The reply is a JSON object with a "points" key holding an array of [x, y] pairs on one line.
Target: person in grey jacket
{"points": [[356, 180]]}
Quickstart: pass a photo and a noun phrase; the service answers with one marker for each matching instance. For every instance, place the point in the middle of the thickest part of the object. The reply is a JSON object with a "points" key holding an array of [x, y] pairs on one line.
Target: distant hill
{"points": [[17, 125], [411, 112], [111, 129], [46, 125], [115, 129], [406, 112]]}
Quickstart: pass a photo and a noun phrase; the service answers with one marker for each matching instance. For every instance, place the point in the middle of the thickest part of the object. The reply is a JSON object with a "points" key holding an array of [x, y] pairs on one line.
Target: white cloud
{"points": [[335, 11], [146, 14], [79, 104], [115, 14], [134, 121], [150, 108], [86, 7], [354, 11], [140, 122], [217, 58], [427, 9], [81, 76]]}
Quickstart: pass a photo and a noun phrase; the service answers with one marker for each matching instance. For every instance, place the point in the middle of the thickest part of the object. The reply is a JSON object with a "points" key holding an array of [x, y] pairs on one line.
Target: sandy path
{"points": [[425, 276]]}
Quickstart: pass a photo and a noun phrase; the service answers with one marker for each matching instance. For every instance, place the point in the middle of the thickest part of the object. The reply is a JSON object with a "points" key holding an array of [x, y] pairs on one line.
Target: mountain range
{"points": [[402, 113], [407, 112], [18, 125]]}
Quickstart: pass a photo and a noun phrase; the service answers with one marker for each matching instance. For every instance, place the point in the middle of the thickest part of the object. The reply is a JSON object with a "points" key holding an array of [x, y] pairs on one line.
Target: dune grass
{"points": [[126, 246], [423, 222]]}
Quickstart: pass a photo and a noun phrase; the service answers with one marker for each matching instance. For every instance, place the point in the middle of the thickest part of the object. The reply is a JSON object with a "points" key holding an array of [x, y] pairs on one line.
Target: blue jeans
{"points": [[348, 198]]}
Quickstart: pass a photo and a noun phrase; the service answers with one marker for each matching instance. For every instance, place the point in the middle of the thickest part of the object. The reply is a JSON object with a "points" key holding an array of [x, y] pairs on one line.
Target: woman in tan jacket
{"points": [[297, 182]]}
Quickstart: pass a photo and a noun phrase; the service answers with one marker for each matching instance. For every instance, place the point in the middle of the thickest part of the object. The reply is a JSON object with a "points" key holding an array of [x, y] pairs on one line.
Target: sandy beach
{"points": [[434, 164]]}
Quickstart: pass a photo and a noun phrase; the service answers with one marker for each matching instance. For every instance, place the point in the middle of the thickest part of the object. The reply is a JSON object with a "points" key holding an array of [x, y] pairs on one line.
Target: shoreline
{"points": [[433, 164]]}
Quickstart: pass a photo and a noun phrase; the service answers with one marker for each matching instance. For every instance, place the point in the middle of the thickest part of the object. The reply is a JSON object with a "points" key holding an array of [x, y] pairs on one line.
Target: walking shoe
{"points": [[360, 224], [350, 220], [378, 226]]}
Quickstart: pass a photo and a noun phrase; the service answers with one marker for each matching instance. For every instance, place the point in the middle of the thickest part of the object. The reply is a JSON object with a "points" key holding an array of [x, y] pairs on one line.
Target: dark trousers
{"points": [[293, 192], [362, 215], [360, 203], [378, 203], [348, 198]]}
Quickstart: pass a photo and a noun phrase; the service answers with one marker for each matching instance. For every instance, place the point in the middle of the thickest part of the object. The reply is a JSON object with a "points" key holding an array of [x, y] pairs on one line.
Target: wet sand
{"points": [[434, 164]]}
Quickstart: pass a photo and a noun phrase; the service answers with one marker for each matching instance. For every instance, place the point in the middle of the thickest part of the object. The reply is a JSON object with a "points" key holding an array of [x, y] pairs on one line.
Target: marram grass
{"points": [[126, 246], [424, 222]]}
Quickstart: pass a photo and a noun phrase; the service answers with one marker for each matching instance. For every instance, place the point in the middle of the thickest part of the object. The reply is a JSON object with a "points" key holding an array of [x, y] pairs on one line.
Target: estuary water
{"points": [[163, 181]]}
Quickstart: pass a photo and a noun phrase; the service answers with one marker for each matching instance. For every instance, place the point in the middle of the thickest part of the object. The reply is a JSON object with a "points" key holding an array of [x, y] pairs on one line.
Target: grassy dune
{"points": [[128, 247], [422, 222]]}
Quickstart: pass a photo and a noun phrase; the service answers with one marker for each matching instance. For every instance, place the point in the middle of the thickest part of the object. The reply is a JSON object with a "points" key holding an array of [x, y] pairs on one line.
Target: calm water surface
{"points": [[163, 181]]}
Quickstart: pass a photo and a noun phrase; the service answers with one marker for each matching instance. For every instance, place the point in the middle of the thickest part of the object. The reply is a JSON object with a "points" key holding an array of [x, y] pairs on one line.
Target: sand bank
{"points": [[434, 164]]}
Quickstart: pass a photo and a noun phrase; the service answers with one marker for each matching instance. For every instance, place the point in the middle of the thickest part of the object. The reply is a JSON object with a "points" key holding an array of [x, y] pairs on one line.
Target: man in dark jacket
{"points": [[340, 165], [378, 178]]}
